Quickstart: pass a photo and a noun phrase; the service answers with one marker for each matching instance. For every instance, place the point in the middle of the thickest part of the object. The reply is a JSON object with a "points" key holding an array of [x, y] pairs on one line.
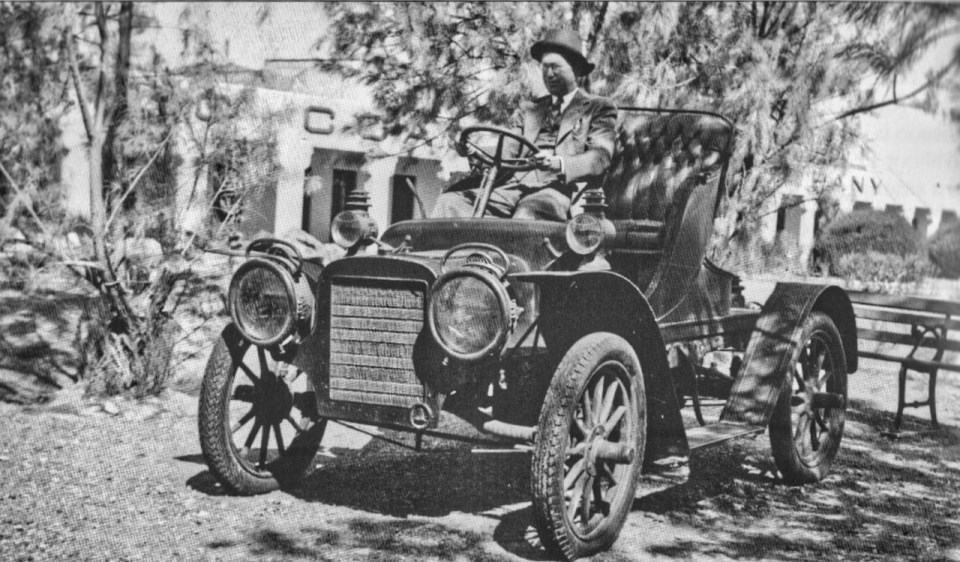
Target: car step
{"points": [[716, 433]]}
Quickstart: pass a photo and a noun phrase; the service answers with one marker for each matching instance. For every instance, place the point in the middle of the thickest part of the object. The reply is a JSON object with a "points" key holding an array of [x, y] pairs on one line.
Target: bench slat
{"points": [[918, 362], [906, 317], [904, 339], [936, 306]]}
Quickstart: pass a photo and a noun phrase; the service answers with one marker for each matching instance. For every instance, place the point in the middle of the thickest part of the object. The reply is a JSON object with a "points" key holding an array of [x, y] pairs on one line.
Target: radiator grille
{"points": [[373, 328]]}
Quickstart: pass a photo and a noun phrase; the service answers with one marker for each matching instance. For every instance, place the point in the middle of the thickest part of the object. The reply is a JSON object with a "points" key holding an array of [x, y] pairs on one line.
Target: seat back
{"points": [[669, 167]]}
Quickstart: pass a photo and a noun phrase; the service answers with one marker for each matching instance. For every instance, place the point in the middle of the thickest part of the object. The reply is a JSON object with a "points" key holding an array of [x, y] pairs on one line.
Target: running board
{"points": [[716, 433]]}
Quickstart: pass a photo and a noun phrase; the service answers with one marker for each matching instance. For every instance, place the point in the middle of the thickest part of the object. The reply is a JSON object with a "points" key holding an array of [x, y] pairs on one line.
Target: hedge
{"points": [[876, 270], [945, 250], [861, 232]]}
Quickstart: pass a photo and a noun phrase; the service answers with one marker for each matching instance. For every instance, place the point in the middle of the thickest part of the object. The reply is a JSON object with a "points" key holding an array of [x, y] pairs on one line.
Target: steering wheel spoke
{"points": [[498, 158]]}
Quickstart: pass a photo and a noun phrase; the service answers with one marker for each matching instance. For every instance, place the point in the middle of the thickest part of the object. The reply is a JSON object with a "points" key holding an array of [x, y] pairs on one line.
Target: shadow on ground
{"points": [[885, 500], [364, 538], [38, 343], [383, 479]]}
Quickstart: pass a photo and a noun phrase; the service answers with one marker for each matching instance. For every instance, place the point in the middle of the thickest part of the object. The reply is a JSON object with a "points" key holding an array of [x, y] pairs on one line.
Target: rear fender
{"points": [[775, 338], [574, 304]]}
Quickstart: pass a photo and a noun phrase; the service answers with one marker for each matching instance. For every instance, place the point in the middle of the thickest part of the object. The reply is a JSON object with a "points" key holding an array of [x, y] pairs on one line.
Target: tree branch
{"points": [[594, 36], [78, 84], [136, 180], [895, 99], [100, 106], [21, 198], [796, 203]]}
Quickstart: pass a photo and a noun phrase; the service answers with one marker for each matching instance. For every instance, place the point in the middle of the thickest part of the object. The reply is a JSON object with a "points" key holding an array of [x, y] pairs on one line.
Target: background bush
{"points": [[881, 272], [861, 232], [945, 250]]}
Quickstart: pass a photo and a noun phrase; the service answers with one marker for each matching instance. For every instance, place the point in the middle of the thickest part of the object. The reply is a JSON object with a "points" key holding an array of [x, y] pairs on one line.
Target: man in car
{"points": [[574, 131]]}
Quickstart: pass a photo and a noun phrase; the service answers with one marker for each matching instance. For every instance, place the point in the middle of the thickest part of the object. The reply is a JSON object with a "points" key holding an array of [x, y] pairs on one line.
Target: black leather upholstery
{"points": [[668, 170], [660, 158]]}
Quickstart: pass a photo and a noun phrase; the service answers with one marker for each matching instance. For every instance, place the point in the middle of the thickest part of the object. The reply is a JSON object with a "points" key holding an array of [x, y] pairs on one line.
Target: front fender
{"points": [[775, 337], [574, 304]]}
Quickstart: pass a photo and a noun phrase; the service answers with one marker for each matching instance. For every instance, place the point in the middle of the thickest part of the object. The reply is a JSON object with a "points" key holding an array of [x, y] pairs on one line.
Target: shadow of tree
{"points": [[41, 333], [886, 500], [364, 538], [377, 479], [38, 343]]}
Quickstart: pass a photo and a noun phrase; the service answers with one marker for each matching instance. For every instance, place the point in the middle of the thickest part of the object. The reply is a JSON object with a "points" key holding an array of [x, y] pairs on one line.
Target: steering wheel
{"points": [[497, 159]]}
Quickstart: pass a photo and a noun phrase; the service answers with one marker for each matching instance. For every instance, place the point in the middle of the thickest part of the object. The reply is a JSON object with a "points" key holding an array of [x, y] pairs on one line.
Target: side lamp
{"points": [[588, 233], [354, 227]]}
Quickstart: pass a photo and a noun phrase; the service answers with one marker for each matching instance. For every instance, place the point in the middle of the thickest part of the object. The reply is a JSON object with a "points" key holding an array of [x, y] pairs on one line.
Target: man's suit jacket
{"points": [[585, 139]]}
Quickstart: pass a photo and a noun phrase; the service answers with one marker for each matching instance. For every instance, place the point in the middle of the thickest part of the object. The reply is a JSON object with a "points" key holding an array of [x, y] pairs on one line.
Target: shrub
{"points": [[945, 250], [860, 232], [880, 272]]}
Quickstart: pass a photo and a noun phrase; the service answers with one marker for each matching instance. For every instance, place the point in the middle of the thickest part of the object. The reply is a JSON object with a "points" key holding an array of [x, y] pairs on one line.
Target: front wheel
{"points": [[589, 447], [807, 423], [255, 431]]}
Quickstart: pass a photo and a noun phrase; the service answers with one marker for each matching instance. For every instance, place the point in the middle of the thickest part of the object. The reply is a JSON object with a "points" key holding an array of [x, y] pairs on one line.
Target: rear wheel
{"points": [[807, 424], [589, 447], [256, 432]]}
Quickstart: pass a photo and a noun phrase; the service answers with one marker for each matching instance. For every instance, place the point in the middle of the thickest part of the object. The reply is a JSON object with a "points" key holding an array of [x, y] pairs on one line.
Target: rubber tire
{"points": [[792, 468], [569, 381], [215, 435]]}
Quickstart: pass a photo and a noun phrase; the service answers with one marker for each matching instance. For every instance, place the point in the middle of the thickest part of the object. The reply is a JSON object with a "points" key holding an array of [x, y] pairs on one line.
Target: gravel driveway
{"points": [[125, 481]]}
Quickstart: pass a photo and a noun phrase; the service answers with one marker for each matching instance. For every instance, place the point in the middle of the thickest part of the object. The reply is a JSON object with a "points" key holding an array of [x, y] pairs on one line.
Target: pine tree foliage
{"points": [[782, 72], [79, 57], [31, 104]]}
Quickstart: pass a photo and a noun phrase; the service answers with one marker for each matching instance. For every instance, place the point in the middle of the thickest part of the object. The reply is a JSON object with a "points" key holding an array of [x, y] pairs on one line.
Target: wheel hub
{"points": [[274, 401], [595, 438]]}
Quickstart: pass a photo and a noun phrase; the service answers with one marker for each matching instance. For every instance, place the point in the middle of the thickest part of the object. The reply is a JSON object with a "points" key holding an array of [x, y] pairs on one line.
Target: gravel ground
{"points": [[120, 480], [125, 481]]}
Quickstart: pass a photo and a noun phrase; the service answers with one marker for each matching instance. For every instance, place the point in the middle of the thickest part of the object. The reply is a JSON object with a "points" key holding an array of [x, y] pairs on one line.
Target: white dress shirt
{"points": [[567, 98], [564, 104]]}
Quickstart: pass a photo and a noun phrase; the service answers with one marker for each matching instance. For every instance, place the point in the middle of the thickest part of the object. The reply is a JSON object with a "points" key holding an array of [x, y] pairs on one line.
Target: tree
{"points": [[87, 49], [83, 57], [779, 71], [31, 104]]}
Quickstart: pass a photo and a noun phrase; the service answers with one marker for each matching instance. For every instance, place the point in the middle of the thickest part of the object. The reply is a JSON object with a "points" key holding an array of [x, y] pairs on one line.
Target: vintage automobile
{"points": [[579, 341]]}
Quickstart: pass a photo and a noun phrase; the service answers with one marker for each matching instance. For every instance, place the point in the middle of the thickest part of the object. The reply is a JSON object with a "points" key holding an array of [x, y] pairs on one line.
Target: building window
{"points": [[305, 220], [781, 219], [402, 196], [344, 181]]}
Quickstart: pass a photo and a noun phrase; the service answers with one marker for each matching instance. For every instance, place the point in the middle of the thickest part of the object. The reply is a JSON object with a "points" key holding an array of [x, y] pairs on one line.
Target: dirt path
{"points": [[79, 483]]}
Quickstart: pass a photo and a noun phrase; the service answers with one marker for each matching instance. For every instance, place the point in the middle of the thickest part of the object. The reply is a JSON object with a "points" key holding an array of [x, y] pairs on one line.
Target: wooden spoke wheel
{"points": [[807, 424], [589, 447], [256, 418]]}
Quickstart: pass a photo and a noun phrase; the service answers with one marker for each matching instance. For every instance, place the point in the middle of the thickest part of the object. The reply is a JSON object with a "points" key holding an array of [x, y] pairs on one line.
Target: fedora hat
{"points": [[566, 42]]}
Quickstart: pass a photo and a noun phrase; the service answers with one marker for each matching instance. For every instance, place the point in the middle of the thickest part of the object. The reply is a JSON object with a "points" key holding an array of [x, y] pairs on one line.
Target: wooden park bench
{"points": [[914, 332]]}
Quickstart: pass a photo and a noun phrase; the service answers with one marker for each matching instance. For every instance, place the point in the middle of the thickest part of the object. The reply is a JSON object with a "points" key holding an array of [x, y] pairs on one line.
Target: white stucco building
{"points": [[909, 165], [316, 170]]}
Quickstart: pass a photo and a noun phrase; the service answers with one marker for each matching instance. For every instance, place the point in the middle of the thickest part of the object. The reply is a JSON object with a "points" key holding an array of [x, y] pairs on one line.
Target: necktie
{"points": [[551, 125]]}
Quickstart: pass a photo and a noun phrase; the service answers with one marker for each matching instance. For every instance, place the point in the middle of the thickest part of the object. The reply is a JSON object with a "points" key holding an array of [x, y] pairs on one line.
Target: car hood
{"points": [[524, 239]]}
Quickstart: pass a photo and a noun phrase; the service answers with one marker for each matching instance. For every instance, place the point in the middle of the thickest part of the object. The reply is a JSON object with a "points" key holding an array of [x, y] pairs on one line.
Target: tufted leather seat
{"points": [[663, 187], [660, 158]]}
